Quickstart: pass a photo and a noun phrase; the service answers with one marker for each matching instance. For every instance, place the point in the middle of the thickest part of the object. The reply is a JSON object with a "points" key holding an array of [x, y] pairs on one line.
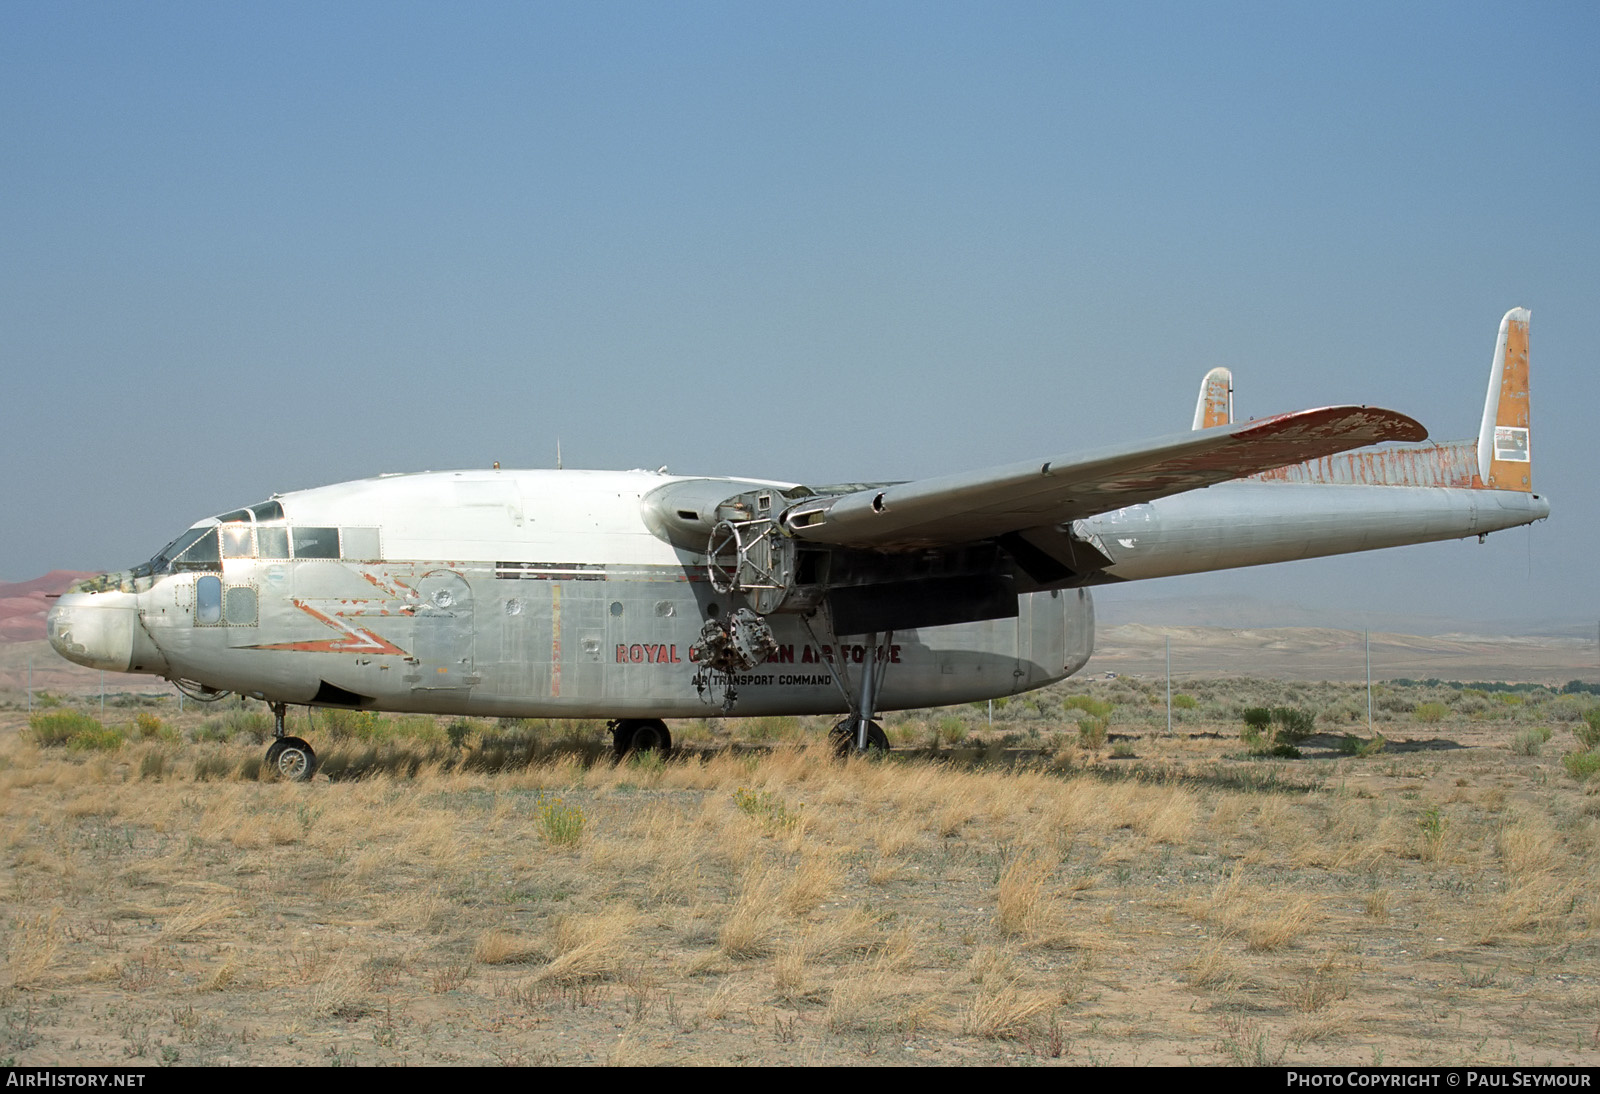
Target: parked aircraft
{"points": [[636, 596]]}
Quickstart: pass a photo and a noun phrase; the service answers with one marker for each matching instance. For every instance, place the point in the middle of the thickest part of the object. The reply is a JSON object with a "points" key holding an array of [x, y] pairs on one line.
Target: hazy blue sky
{"points": [[248, 248]]}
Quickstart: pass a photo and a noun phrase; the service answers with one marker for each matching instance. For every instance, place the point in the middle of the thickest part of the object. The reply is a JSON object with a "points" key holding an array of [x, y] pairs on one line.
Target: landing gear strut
{"points": [[859, 733], [640, 735], [290, 757]]}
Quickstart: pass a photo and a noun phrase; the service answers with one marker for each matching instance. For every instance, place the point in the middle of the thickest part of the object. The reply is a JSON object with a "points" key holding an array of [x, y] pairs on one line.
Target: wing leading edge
{"points": [[976, 505]]}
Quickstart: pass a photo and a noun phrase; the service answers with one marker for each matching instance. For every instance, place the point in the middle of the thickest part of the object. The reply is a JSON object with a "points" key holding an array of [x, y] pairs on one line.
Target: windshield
{"points": [[196, 549]]}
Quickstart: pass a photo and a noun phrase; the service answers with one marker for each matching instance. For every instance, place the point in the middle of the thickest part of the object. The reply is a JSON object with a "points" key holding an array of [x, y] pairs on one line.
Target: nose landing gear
{"points": [[290, 757]]}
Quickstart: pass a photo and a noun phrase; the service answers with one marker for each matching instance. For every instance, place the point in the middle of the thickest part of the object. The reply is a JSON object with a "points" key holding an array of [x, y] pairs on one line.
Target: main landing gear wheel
{"points": [[843, 737], [292, 759], [640, 735]]}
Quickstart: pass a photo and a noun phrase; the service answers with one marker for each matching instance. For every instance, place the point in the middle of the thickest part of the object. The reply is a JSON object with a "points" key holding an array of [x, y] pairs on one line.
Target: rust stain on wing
{"points": [[1453, 463]]}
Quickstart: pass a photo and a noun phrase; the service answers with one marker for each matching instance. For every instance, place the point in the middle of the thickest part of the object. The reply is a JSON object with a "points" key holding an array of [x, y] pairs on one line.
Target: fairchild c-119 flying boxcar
{"points": [[637, 596]]}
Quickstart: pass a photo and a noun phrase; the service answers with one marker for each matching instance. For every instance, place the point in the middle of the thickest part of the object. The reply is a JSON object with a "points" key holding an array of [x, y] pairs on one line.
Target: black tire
{"points": [[292, 759], [843, 736], [640, 735]]}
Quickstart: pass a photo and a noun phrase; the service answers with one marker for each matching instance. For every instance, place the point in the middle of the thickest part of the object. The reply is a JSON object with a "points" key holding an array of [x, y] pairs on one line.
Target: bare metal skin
{"points": [[636, 596]]}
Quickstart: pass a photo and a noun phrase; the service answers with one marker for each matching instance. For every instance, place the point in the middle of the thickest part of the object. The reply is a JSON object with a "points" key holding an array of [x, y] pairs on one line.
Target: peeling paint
{"points": [[1451, 463]]}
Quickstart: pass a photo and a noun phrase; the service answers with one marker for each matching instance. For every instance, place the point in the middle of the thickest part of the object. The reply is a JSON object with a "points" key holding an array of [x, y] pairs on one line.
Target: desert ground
{"points": [[1067, 883]]}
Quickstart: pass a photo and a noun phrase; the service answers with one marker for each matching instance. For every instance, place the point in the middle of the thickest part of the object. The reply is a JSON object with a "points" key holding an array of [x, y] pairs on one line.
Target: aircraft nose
{"points": [[100, 630]]}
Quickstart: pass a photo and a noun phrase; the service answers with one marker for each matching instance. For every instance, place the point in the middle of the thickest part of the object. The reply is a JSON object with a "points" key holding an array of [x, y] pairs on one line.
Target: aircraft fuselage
{"points": [[516, 593]]}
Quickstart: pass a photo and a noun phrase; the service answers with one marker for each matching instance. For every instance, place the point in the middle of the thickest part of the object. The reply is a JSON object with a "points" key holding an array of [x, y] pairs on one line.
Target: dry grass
{"points": [[1190, 906], [1217, 970], [1282, 926], [497, 947], [1003, 1010], [192, 920], [31, 948], [750, 929], [591, 947], [1022, 906]]}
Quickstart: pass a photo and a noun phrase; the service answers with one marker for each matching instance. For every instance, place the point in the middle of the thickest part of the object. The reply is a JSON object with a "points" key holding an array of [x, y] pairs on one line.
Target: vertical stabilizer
{"points": [[1215, 405], [1504, 457]]}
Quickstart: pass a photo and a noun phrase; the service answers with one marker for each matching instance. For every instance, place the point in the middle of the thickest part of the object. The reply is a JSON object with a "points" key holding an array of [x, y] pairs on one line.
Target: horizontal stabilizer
{"points": [[978, 505]]}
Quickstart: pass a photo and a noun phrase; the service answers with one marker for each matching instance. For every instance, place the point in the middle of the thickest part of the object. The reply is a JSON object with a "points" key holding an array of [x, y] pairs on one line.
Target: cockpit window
{"points": [[272, 541], [236, 541], [205, 548], [237, 514], [162, 562], [201, 554], [196, 549], [315, 542]]}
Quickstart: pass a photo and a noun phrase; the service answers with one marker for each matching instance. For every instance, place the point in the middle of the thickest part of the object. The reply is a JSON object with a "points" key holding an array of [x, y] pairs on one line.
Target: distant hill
{"points": [[1118, 605], [1325, 653], [24, 603]]}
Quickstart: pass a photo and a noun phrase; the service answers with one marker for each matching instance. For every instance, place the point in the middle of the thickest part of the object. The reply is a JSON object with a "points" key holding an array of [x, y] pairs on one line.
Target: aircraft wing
{"points": [[976, 505]]}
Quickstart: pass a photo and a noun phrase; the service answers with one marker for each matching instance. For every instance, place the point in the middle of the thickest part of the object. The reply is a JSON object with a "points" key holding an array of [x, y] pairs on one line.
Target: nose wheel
{"points": [[289, 757], [292, 759]]}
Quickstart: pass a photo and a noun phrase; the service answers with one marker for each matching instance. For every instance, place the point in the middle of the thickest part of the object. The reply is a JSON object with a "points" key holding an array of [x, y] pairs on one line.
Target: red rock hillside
{"points": [[23, 604]]}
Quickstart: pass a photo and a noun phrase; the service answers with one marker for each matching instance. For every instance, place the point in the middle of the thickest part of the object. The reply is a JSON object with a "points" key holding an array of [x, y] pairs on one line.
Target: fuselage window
{"points": [[208, 600], [236, 541], [315, 542], [272, 541]]}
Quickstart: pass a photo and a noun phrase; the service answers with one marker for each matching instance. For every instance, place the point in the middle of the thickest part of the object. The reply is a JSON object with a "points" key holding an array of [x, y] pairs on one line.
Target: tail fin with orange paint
{"points": [[1215, 405], [1505, 461]]}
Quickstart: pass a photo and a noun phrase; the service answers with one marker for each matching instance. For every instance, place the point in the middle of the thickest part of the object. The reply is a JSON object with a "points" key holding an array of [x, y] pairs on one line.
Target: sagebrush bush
{"points": [[1529, 741], [1588, 730], [949, 731], [1275, 731], [1091, 706], [560, 824], [352, 725], [1581, 765], [252, 725], [72, 729], [1092, 732]]}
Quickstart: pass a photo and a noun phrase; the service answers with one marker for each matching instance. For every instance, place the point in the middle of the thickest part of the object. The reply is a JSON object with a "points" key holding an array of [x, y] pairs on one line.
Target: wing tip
{"points": [[1375, 423]]}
